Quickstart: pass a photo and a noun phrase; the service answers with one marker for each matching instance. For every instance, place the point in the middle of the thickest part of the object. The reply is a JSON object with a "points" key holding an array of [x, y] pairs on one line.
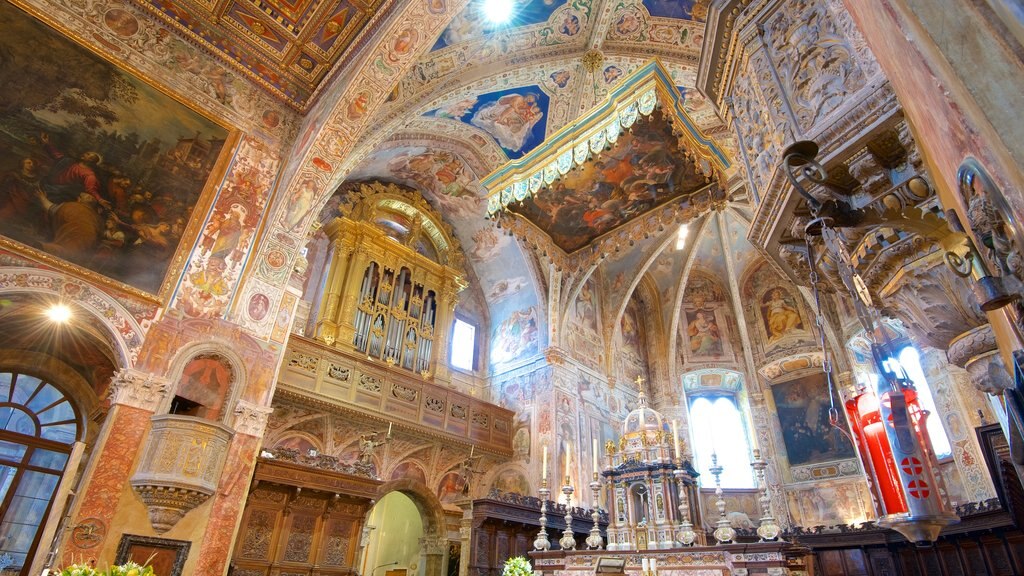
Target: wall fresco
{"points": [[100, 169], [803, 409]]}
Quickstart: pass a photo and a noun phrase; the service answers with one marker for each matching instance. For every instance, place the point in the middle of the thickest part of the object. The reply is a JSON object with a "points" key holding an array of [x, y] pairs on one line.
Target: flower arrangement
{"points": [[126, 569], [517, 566]]}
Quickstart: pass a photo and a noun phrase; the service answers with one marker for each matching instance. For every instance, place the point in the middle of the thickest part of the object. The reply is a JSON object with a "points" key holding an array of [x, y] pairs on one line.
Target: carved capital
{"points": [[555, 356], [971, 344], [251, 419], [138, 389]]}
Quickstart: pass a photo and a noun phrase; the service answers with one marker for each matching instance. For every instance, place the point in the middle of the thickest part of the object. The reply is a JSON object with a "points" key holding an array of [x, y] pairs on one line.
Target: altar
{"points": [[763, 558]]}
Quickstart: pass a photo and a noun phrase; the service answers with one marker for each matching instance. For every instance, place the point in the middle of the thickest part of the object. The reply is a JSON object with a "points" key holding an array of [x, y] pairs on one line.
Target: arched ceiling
{"points": [[482, 96]]}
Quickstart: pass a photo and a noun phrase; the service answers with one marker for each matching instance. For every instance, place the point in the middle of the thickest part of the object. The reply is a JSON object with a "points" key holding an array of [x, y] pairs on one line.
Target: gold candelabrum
{"points": [[768, 530], [724, 532], [568, 540], [595, 541], [541, 542], [685, 534]]}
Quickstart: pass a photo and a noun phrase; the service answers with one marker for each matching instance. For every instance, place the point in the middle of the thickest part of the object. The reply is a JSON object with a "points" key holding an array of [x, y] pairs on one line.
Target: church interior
{"points": [[414, 287]]}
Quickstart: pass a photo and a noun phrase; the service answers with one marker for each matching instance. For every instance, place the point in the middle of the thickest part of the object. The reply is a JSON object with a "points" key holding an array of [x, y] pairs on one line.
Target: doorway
{"points": [[394, 546]]}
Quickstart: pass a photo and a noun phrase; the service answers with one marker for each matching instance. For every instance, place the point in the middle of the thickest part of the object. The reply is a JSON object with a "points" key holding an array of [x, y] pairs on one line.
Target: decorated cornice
{"points": [[638, 95]]}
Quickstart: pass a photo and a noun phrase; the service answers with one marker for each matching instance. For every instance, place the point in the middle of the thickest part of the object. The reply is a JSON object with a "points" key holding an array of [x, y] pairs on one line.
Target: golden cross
{"points": [[640, 383]]}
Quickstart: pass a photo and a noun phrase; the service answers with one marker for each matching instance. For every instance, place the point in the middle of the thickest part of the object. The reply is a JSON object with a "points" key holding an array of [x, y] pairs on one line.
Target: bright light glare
{"points": [[681, 236], [59, 313], [497, 11]]}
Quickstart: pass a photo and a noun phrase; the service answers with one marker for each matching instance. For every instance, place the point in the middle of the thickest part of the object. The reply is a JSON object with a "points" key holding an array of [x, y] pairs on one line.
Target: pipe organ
{"points": [[392, 285]]}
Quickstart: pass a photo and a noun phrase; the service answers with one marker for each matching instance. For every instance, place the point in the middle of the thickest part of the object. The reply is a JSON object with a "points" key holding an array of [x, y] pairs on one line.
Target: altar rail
{"points": [[326, 374]]}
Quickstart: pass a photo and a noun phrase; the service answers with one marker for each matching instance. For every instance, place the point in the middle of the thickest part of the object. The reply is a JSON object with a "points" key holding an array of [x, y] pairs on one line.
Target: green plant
{"points": [[126, 569], [517, 566]]}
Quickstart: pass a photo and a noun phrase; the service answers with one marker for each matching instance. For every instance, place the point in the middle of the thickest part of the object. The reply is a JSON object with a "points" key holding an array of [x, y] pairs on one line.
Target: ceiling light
{"points": [[681, 236], [59, 313], [497, 11]]}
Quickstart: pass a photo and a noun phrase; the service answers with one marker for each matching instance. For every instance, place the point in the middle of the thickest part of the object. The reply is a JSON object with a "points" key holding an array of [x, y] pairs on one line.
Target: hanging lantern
{"points": [[888, 423], [893, 443]]}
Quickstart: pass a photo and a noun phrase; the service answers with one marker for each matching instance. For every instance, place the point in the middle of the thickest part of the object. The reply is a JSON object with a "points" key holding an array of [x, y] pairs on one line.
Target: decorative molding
{"points": [[251, 418], [130, 387]]}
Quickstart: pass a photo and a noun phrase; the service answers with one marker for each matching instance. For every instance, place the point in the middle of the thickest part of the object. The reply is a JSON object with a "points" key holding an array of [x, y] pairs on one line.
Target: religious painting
{"points": [[166, 557], [516, 337], [704, 335], [450, 487], [410, 471], [633, 354], [442, 172], [830, 504], [803, 406], [584, 339], [516, 118], [643, 170], [204, 387], [678, 9], [471, 23], [299, 444], [780, 314], [99, 168], [512, 482]]}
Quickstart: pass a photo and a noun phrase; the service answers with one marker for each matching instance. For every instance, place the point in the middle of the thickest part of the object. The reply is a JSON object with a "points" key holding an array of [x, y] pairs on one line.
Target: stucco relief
{"points": [[815, 61]]}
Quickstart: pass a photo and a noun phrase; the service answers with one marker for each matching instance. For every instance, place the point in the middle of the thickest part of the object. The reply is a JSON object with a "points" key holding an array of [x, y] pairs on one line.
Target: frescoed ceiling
{"points": [[644, 169], [288, 47], [489, 95]]}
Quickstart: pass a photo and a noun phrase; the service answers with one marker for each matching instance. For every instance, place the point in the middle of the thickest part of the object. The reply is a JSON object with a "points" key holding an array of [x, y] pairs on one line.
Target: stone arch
{"points": [[431, 513], [208, 348], [120, 328]]}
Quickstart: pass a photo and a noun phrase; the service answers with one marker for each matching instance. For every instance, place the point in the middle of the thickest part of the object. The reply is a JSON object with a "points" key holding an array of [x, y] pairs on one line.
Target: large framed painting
{"points": [[802, 405], [167, 557], [99, 169]]}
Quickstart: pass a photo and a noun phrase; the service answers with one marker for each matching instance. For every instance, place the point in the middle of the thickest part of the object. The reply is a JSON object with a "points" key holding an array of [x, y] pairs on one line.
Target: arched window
{"points": [[38, 425], [717, 427], [910, 360]]}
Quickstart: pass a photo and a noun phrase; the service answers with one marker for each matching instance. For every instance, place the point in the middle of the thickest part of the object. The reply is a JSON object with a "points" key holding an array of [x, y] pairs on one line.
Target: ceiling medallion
{"points": [[592, 60]]}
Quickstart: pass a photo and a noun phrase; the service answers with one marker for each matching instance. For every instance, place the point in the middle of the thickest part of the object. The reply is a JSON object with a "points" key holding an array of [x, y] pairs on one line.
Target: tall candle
{"points": [[645, 564], [675, 438], [389, 427], [544, 464], [654, 565], [568, 448], [472, 449]]}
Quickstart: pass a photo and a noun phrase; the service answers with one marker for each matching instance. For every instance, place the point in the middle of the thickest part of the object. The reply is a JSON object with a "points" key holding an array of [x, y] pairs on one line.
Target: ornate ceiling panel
{"points": [[643, 170], [288, 47]]}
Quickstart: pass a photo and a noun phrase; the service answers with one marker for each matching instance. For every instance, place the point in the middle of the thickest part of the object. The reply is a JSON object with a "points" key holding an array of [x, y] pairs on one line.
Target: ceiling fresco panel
{"points": [[287, 47], [644, 169], [516, 119]]}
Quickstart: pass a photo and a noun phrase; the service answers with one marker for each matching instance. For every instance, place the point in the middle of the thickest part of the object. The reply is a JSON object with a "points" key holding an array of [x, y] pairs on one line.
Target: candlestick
{"points": [[654, 565], [390, 424], [686, 535], [724, 532], [645, 564], [568, 540], [768, 530], [472, 449], [675, 439], [544, 464], [596, 469], [542, 542], [594, 541]]}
